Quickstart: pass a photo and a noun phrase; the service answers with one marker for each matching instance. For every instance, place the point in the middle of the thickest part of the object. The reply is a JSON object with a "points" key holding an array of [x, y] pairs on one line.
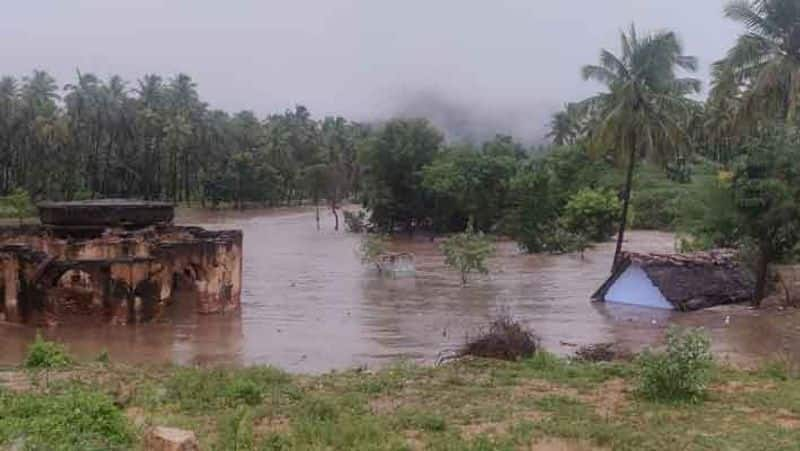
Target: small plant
{"points": [[103, 357], [467, 252], [681, 372], [18, 204], [506, 339], [371, 249], [236, 431], [46, 355]]}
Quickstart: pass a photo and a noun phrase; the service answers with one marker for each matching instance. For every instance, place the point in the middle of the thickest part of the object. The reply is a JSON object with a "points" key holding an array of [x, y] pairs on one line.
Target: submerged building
{"points": [[114, 261], [683, 282]]}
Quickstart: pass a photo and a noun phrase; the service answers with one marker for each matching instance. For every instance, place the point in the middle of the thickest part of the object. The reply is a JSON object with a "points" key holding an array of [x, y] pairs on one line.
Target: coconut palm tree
{"points": [[565, 126], [766, 58], [645, 107]]}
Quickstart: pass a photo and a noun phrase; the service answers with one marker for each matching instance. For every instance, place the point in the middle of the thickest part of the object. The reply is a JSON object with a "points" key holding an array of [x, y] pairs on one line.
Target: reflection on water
{"points": [[309, 305]]}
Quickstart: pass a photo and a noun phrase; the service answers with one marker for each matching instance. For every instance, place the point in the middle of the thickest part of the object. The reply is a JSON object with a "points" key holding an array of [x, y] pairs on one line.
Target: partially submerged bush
{"points": [[355, 222], [602, 352], [46, 355], [681, 372], [592, 213], [506, 339], [371, 248], [467, 252]]}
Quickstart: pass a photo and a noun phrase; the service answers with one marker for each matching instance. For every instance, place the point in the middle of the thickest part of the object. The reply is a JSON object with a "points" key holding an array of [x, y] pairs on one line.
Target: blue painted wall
{"points": [[635, 288]]}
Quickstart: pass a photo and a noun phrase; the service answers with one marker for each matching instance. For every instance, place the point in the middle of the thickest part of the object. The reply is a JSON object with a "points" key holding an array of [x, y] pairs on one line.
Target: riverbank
{"points": [[545, 403]]}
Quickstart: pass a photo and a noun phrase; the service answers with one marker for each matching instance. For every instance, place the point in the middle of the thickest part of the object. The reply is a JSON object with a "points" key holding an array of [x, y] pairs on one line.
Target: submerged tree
{"points": [[645, 110], [467, 252]]}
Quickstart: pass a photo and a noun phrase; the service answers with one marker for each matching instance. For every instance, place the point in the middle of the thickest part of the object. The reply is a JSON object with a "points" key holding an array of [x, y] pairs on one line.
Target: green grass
{"points": [[469, 405], [71, 418]]}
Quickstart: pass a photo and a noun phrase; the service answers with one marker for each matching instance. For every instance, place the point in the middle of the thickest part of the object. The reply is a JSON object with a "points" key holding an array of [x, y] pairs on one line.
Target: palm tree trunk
{"points": [[626, 198], [762, 277]]}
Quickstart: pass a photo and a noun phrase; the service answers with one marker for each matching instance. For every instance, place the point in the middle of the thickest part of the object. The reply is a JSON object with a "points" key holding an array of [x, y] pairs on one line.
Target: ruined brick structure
{"points": [[114, 262]]}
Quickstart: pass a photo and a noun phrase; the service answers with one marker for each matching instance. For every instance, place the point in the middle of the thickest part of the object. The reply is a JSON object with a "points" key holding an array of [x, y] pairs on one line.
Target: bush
{"points": [[355, 222], [467, 252], [18, 204], [73, 419], [681, 372], [506, 339], [371, 248], [46, 355], [592, 213], [656, 209]]}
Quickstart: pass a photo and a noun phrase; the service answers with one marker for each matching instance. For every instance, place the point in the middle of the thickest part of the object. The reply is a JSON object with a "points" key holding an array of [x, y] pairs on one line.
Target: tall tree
{"points": [[644, 109], [766, 59]]}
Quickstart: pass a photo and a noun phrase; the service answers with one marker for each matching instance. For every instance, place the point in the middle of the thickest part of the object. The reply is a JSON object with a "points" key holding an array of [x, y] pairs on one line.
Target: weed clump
{"points": [[681, 372], [46, 355], [506, 339]]}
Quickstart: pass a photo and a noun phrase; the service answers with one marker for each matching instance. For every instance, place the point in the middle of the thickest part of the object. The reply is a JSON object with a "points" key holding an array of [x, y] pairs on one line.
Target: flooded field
{"points": [[309, 305]]}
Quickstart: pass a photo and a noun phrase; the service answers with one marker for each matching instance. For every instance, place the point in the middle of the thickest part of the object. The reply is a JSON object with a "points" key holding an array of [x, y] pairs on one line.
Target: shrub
{"points": [[355, 222], [73, 419], [371, 248], [592, 213], [46, 355], [467, 252], [656, 209], [506, 339], [681, 372], [561, 241], [18, 204]]}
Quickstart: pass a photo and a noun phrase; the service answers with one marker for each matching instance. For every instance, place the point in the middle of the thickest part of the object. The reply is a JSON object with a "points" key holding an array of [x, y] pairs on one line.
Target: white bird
{"points": [[728, 320]]}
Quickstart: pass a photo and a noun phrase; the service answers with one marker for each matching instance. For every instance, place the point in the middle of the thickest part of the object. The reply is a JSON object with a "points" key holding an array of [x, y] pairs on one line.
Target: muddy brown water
{"points": [[309, 305]]}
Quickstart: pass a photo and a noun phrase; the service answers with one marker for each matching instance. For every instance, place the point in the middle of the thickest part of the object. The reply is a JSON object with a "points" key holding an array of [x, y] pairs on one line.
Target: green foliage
{"points": [[394, 159], [681, 372], [709, 218], [46, 355], [766, 192], [195, 389], [18, 204], [591, 213], [467, 252], [469, 183], [371, 248], [76, 418], [236, 431]]}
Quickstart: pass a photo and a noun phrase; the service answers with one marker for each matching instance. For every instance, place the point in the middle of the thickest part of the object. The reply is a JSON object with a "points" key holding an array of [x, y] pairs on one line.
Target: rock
{"points": [[170, 439]]}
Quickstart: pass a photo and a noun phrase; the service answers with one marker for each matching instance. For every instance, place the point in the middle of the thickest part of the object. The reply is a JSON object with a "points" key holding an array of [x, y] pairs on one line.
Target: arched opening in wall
{"points": [[186, 278], [185, 289], [74, 278], [74, 293]]}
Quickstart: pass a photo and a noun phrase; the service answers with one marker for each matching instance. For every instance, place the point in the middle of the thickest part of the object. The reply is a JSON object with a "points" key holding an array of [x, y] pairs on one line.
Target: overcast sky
{"points": [[490, 65]]}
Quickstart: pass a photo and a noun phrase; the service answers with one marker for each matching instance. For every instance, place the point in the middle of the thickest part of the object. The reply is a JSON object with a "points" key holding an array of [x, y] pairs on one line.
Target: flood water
{"points": [[309, 305]]}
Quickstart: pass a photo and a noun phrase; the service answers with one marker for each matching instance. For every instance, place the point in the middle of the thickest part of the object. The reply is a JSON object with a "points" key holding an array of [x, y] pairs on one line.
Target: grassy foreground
{"points": [[539, 403]]}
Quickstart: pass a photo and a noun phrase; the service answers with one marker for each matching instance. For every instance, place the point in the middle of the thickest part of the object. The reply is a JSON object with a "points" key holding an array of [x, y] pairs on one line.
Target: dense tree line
{"points": [[156, 139]]}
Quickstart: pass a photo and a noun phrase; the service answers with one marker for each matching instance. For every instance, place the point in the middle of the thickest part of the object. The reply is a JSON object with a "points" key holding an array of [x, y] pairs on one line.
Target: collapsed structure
{"points": [[114, 261], [677, 281]]}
